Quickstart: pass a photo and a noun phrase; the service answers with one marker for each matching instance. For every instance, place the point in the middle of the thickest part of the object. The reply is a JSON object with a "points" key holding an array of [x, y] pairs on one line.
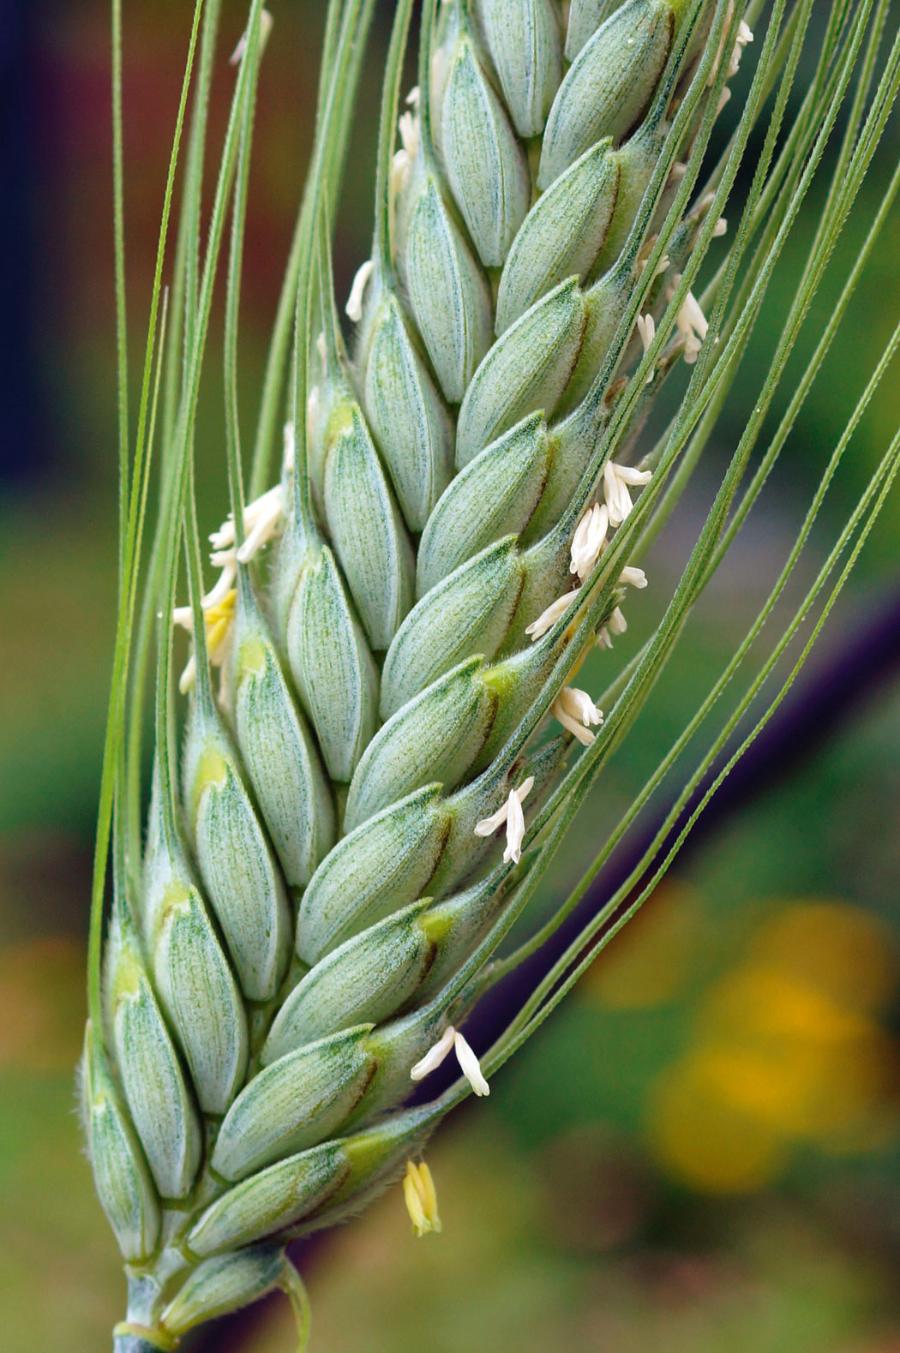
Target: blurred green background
{"points": [[699, 1152]]}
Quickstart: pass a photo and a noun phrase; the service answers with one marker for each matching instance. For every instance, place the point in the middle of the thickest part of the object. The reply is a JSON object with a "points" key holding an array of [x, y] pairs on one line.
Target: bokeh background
{"points": [[699, 1152]]}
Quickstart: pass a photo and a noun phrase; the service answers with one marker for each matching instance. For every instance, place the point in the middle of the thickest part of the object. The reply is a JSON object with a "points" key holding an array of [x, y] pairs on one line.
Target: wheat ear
{"points": [[397, 621]]}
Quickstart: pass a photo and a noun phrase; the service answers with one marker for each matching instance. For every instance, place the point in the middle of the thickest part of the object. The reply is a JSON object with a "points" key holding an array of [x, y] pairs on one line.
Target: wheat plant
{"points": [[377, 744]]}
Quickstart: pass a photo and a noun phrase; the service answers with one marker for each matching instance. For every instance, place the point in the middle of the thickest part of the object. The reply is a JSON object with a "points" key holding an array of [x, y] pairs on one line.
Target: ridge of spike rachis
{"points": [[397, 624]]}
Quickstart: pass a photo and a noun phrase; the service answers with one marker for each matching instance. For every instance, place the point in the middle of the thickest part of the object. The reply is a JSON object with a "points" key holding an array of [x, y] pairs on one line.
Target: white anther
{"points": [[510, 812], [217, 594], [188, 676], [470, 1066], [548, 618], [616, 624], [576, 711], [515, 830], [744, 36], [662, 266], [691, 324], [264, 517], [217, 609], [633, 577], [354, 305], [263, 520], [646, 327], [468, 1062], [617, 479], [588, 540], [434, 1056], [408, 127]]}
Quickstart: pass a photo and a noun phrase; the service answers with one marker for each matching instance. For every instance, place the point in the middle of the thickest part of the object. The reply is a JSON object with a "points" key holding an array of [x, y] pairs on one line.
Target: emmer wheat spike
{"points": [[372, 791]]}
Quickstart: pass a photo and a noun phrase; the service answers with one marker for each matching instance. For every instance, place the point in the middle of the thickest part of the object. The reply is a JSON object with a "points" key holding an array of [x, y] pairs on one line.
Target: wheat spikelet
{"points": [[397, 622]]}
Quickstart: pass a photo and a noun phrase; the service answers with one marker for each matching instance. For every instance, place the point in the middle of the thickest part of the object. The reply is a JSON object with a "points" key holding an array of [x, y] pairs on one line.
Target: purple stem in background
{"points": [[822, 704]]}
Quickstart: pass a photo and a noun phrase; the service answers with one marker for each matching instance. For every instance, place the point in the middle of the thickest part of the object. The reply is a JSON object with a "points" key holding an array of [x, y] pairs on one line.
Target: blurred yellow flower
{"points": [[786, 1052], [842, 951], [769, 1006], [705, 1139]]}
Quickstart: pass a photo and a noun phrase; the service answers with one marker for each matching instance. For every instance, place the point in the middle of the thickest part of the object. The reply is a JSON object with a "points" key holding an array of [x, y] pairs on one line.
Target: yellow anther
{"points": [[219, 620], [218, 617], [420, 1198]]}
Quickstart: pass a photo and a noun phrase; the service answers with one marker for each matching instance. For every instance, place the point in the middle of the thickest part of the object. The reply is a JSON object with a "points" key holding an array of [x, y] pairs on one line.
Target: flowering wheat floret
{"points": [[368, 794]]}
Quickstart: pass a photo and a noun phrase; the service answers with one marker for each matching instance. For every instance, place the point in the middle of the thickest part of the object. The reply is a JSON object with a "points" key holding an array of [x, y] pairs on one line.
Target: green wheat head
{"points": [[377, 745]]}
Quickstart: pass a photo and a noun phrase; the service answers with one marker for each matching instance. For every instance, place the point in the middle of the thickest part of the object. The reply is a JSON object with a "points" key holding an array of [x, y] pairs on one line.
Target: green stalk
{"points": [[337, 100], [124, 620], [119, 265], [172, 391]]}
